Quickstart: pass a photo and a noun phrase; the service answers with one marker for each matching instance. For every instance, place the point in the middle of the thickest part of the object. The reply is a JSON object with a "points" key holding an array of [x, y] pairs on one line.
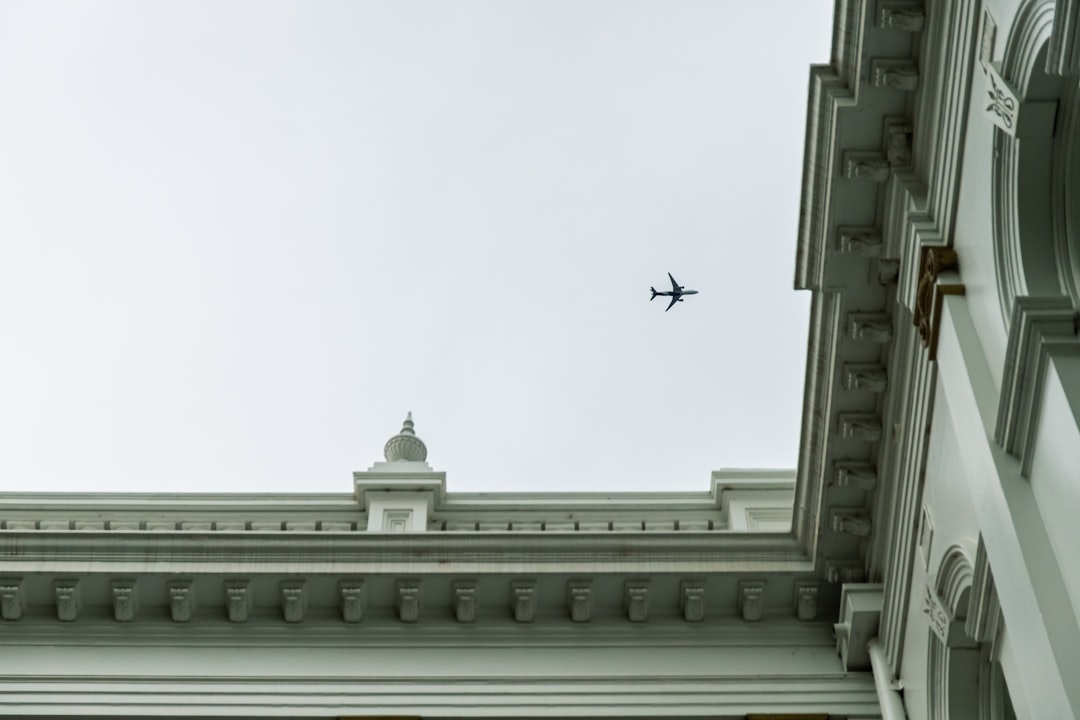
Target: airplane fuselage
{"points": [[672, 293]]}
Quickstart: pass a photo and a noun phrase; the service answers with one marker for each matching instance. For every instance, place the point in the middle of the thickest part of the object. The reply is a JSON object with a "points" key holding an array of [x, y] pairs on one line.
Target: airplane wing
{"points": [[674, 285], [674, 299]]}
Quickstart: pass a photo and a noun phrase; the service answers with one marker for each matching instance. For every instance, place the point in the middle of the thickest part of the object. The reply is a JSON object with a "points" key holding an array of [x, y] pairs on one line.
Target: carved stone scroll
{"points": [[806, 594], [523, 597], [860, 426], [928, 296], [637, 601], [859, 240], [352, 600], [12, 598], [408, 600], [181, 600], [293, 600], [860, 377], [871, 327], [692, 600], [68, 600], [751, 600], [238, 600], [902, 16], [579, 597], [465, 601]]}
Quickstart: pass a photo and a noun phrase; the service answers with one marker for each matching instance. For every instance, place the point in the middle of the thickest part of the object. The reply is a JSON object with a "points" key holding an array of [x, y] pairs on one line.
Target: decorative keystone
{"points": [[858, 474], [637, 601], [408, 600], [850, 522], [124, 600], [351, 600], [692, 600], [860, 377], [902, 16], [806, 594], [860, 426], [181, 600], [465, 601], [12, 598], [523, 597], [751, 600], [68, 600], [871, 166], [238, 600], [864, 241], [293, 601], [870, 327], [579, 597]]}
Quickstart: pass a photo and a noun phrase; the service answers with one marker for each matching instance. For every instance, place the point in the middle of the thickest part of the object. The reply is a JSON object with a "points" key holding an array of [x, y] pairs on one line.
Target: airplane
{"points": [[676, 293]]}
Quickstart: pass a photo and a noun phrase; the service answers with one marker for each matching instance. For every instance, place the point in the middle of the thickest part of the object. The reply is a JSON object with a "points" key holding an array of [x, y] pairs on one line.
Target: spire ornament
{"points": [[405, 446]]}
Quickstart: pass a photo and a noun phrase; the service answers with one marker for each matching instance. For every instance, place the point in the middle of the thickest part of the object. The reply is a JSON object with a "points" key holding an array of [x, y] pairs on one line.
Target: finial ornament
{"points": [[405, 446]]}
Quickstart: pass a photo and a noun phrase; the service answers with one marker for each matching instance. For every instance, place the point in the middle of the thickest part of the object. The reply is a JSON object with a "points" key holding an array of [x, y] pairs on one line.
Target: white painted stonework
{"points": [[920, 561]]}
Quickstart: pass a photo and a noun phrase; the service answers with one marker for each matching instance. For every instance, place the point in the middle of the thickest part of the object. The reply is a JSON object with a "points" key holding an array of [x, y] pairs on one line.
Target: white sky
{"points": [[239, 240]]}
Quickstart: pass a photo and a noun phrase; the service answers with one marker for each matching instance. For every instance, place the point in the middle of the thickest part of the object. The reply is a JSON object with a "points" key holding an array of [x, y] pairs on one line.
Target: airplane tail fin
{"points": [[653, 293]]}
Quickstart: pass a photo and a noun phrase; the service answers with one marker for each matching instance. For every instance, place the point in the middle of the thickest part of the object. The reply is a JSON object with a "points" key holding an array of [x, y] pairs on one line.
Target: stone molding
{"points": [[1040, 328]]}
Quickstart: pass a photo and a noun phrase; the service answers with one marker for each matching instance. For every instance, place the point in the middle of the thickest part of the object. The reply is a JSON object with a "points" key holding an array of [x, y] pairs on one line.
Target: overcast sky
{"points": [[239, 240]]}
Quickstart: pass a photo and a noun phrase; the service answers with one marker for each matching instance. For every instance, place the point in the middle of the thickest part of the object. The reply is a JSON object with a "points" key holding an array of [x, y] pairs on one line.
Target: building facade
{"points": [[922, 561]]}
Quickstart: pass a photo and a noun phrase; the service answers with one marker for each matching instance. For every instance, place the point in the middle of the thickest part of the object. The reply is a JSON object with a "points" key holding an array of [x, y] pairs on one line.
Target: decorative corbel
{"points": [[860, 426], [68, 600], [871, 166], [12, 598], [864, 241], [850, 522], [293, 600], [865, 377], [523, 597], [751, 602], [895, 74], [238, 600], [351, 600], [579, 597], [858, 474], [408, 600], [901, 15], [181, 600], [125, 601], [870, 327], [929, 302], [465, 601], [637, 600], [806, 594], [692, 600]]}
